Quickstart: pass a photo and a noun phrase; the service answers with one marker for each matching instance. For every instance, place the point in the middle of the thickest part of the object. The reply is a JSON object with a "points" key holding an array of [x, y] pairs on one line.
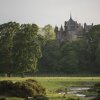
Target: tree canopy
{"points": [[7, 32], [22, 49], [26, 49]]}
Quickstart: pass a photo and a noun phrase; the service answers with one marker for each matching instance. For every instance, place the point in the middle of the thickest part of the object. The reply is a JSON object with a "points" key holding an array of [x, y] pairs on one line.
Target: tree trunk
{"points": [[22, 75], [9, 74]]}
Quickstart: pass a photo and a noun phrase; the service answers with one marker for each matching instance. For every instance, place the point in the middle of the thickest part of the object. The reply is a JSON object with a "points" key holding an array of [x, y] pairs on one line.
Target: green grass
{"points": [[53, 83]]}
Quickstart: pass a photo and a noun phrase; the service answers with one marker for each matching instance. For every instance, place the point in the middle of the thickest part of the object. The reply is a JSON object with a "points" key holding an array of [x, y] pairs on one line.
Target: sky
{"points": [[54, 12]]}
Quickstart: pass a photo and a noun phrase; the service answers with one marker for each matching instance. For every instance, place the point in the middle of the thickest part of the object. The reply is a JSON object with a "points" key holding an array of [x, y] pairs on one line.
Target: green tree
{"points": [[49, 63], [97, 67], [69, 59], [49, 32], [93, 38], [26, 49], [7, 32], [80, 48]]}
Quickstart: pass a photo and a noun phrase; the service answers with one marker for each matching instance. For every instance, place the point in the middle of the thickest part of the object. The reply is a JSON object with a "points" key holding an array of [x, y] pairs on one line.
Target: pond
{"points": [[81, 92]]}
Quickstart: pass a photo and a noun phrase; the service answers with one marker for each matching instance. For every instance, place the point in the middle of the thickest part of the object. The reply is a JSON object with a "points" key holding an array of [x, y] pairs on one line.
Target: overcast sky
{"points": [[53, 12]]}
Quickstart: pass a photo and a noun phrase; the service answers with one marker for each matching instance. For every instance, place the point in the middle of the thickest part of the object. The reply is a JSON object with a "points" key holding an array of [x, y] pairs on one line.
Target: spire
{"points": [[70, 15], [61, 28]]}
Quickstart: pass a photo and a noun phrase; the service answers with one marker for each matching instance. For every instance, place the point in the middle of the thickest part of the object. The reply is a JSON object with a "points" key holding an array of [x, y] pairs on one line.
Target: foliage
{"points": [[48, 32], [7, 32], [93, 38], [2, 98], [97, 60], [20, 47], [50, 57], [72, 98], [73, 57], [21, 89], [40, 97], [26, 49], [69, 58], [64, 58], [97, 89]]}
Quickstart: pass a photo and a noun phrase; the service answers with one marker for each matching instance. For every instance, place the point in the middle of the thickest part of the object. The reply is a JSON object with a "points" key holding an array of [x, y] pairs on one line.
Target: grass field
{"points": [[53, 83]]}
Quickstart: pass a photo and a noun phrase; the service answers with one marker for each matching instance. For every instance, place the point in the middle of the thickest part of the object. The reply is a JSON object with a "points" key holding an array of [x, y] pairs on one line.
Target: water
{"points": [[79, 91], [79, 88], [80, 95]]}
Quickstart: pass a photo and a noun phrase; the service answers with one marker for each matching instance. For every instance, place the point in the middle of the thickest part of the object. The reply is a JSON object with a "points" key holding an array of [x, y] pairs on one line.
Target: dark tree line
{"points": [[76, 57], [22, 50]]}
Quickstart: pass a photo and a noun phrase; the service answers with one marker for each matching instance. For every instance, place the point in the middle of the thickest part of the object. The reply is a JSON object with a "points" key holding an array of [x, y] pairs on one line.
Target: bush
{"points": [[97, 85], [21, 89], [97, 89], [72, 98], [2, 98], [37, 97], [40, 97], [5, 85]]}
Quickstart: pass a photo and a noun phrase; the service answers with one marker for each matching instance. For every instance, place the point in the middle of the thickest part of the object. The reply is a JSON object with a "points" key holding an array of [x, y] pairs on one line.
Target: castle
{"points": [[71, 30]]}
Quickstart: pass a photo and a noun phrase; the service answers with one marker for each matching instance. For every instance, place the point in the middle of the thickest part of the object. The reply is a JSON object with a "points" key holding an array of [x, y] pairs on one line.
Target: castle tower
{"points": [[87, 27], [61, 29], [56, 29], [56, 32], [71, 30]]}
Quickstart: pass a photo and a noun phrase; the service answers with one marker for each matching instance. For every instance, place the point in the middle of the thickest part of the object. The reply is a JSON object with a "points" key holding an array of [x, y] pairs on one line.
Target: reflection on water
{"points": [[79, 91]]}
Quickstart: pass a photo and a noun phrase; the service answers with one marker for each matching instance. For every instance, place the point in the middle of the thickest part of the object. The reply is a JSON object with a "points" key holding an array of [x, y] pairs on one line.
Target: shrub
{"points": [[2, 98], [21, 89], [97, 89], [72, 98], [40, 97], [97, 85]]}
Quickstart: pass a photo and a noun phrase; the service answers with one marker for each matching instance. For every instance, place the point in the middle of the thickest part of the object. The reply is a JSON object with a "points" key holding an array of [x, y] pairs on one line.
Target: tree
{"points": [[97, 67], [49, 61], [26, 49], [69, 59], [49, 32], [93, 39], [7, 32]]}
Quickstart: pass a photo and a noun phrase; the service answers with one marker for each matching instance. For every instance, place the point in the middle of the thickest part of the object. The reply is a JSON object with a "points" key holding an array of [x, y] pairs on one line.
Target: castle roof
{"points": [[71, 21]]}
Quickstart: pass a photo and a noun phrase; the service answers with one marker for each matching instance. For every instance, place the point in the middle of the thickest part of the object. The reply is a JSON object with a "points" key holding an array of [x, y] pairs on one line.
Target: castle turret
{"points": [[61, 29], [65, 26], [87, 27], [56, 29]]}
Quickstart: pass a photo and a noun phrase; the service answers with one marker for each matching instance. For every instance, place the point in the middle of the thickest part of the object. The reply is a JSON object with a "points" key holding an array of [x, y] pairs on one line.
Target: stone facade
{"points": [[71, 30]]}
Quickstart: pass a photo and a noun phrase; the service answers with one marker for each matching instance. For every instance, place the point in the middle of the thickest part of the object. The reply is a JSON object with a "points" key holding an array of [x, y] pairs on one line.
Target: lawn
{"points": [[54, 83]]}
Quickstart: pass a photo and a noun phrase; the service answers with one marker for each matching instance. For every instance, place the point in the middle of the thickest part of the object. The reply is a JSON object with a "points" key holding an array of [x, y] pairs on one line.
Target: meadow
{"points": [[52, 84]]}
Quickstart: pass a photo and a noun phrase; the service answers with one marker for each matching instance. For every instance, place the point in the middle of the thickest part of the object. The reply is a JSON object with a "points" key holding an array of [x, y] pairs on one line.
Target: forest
{"points": [[28, 48]]}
